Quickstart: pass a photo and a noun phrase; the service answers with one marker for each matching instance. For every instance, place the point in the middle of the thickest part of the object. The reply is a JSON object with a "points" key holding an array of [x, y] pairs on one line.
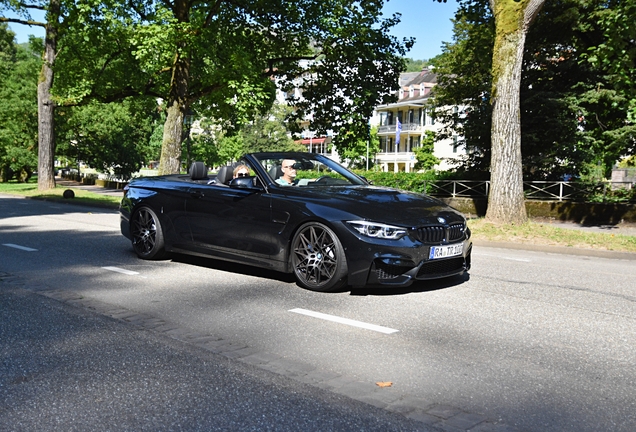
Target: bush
{"points": [[413, 182]]}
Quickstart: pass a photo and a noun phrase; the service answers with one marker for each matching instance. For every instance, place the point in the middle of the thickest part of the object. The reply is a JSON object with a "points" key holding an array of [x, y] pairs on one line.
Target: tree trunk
{"points": [[46, 106], [506, 202], [177, 104]]}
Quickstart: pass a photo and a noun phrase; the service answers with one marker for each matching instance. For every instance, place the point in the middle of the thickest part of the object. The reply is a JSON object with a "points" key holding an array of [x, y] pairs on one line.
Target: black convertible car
{"points": [[300, 213]]}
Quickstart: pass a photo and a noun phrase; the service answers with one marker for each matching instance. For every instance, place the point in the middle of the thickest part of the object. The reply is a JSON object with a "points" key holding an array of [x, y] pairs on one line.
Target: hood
{"points": [[387, 205]]}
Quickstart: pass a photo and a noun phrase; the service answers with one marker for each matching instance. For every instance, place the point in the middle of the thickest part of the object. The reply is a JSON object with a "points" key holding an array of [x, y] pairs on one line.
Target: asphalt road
{"points": [[528, 341]]}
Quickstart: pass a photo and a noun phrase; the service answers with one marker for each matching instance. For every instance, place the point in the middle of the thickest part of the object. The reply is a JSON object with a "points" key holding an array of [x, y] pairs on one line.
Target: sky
{"points": [[426, 20]]}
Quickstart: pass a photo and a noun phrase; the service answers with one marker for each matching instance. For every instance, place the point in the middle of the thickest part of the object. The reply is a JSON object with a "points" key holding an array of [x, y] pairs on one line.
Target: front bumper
{"points": [[399, 263], [389, 271]]}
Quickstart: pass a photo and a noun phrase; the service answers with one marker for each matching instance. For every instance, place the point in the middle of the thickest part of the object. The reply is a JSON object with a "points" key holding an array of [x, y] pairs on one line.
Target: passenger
{"points": [[289, 173], [241, 171]]}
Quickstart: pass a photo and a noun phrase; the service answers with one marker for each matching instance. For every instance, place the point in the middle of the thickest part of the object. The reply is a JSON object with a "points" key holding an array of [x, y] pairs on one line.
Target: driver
{"points": [[289, 173]]}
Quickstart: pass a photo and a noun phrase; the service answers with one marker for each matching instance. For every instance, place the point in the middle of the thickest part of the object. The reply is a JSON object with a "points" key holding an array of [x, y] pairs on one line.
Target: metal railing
{"points": [[538, 190]]}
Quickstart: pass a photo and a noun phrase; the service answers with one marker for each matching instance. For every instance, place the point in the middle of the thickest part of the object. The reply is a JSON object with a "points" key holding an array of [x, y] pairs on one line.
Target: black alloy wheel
{"points": [[318, 258], [147, 235]]}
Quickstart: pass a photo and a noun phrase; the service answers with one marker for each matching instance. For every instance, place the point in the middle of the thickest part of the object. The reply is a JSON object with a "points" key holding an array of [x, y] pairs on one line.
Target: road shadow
{"points": [[416, 287], [227, 266]]}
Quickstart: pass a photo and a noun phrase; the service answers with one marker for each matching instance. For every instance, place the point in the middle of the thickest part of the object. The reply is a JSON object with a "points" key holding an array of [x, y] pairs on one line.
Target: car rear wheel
{"points": [[318, 258], [147, 235]]}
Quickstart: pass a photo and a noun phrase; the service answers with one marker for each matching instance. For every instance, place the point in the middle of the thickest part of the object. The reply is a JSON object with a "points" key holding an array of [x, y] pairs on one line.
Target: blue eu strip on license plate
{"points": [[446, 251]]}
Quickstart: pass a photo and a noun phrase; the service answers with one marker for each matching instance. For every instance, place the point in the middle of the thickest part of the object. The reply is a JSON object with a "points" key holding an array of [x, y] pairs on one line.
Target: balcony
{"points": [[406, 127]]}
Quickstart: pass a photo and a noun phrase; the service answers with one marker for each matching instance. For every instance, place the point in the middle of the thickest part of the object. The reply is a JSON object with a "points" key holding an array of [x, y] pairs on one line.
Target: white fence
{"points": [[540, 190]]}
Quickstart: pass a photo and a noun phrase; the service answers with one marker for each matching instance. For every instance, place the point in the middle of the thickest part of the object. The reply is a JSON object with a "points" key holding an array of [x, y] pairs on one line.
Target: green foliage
{"points": [[19, 69], [414, 182], [356, 155], [628, 162], [266, 132], [577, 90], [223, 56], [415, 65], [113, 138], [464, 81], [424, 153]]}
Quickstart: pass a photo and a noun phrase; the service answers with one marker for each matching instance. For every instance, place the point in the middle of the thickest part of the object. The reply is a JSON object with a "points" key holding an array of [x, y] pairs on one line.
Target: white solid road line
{"points": [[24, 248], [346, 321], [121, 270]]}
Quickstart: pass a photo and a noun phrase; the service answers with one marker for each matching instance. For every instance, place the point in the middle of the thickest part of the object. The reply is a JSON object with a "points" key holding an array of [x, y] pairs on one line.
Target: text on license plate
{"points": [[446, 251]]}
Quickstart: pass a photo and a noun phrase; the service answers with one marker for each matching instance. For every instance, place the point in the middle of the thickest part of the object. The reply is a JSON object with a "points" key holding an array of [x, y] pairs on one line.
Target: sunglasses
{"points": [[243, 174], [290, 166]]}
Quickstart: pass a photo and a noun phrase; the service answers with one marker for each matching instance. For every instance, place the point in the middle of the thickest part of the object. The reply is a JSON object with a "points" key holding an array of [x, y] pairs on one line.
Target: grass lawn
{"points": [[81, 196], [545, 234]]}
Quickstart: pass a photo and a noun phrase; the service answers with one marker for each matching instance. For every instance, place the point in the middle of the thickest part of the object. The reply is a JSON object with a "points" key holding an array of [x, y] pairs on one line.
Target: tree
{"points": [[415, 65], [465, 80], [46, 104], [19, 67], [114, 138], [268, 132], [506, 201], [222, 58], [364, 150], [574, 113], [511, 20], [424, 153]]}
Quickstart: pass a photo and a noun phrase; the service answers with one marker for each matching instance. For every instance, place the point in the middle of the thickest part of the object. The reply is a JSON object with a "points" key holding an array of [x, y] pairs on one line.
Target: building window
{"points": [[411, 113], [419, 117], [384, 117], [411, 91], [390, 118]]}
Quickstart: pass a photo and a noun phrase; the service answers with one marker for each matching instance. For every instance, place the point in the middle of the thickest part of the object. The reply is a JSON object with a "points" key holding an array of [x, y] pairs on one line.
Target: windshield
{"points": [[305, 170]]}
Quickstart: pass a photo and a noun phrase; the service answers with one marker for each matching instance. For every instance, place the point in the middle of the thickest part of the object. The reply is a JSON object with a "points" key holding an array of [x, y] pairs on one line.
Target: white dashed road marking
{"points": [[121, 270], [24, 248], [346, 321]]}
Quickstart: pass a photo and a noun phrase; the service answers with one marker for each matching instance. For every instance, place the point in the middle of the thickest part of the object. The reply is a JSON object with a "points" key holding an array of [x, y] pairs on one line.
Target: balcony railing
{"points": [[406, 127]]}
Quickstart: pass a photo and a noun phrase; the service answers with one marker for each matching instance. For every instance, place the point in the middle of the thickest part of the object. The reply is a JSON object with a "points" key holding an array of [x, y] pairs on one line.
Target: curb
{"points": [[562, 250]]}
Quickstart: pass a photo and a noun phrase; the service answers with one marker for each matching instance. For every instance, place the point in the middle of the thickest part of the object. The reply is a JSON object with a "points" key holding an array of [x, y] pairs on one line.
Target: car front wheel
{"points": [[147, 235], [318, 258]]}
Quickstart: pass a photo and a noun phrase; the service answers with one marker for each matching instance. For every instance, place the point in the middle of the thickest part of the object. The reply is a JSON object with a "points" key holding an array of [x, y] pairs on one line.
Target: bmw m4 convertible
{"points": [[298, 213]]}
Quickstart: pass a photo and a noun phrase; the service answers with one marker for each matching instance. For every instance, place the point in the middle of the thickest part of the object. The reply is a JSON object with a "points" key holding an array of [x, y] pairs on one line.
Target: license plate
{"points": [[446, 251]]}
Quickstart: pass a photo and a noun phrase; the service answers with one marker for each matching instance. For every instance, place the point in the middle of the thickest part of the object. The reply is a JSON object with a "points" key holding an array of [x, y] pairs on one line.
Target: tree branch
{"points": [[134, 7], [25, 22], [31, 6], [204, 91], [271, 69], [213, 11]]}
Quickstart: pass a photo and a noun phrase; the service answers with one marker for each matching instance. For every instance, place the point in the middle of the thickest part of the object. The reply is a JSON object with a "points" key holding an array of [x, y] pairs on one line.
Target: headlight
{"points": [[378, 230]]}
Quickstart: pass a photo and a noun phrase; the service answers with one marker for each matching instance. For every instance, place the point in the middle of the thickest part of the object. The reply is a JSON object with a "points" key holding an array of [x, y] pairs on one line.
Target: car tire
{"points": [[318, 258], [147, 234]]}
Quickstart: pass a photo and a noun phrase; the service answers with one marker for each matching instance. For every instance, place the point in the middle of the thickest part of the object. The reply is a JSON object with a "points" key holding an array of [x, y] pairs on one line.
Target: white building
{"points": [[415, 117]]}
